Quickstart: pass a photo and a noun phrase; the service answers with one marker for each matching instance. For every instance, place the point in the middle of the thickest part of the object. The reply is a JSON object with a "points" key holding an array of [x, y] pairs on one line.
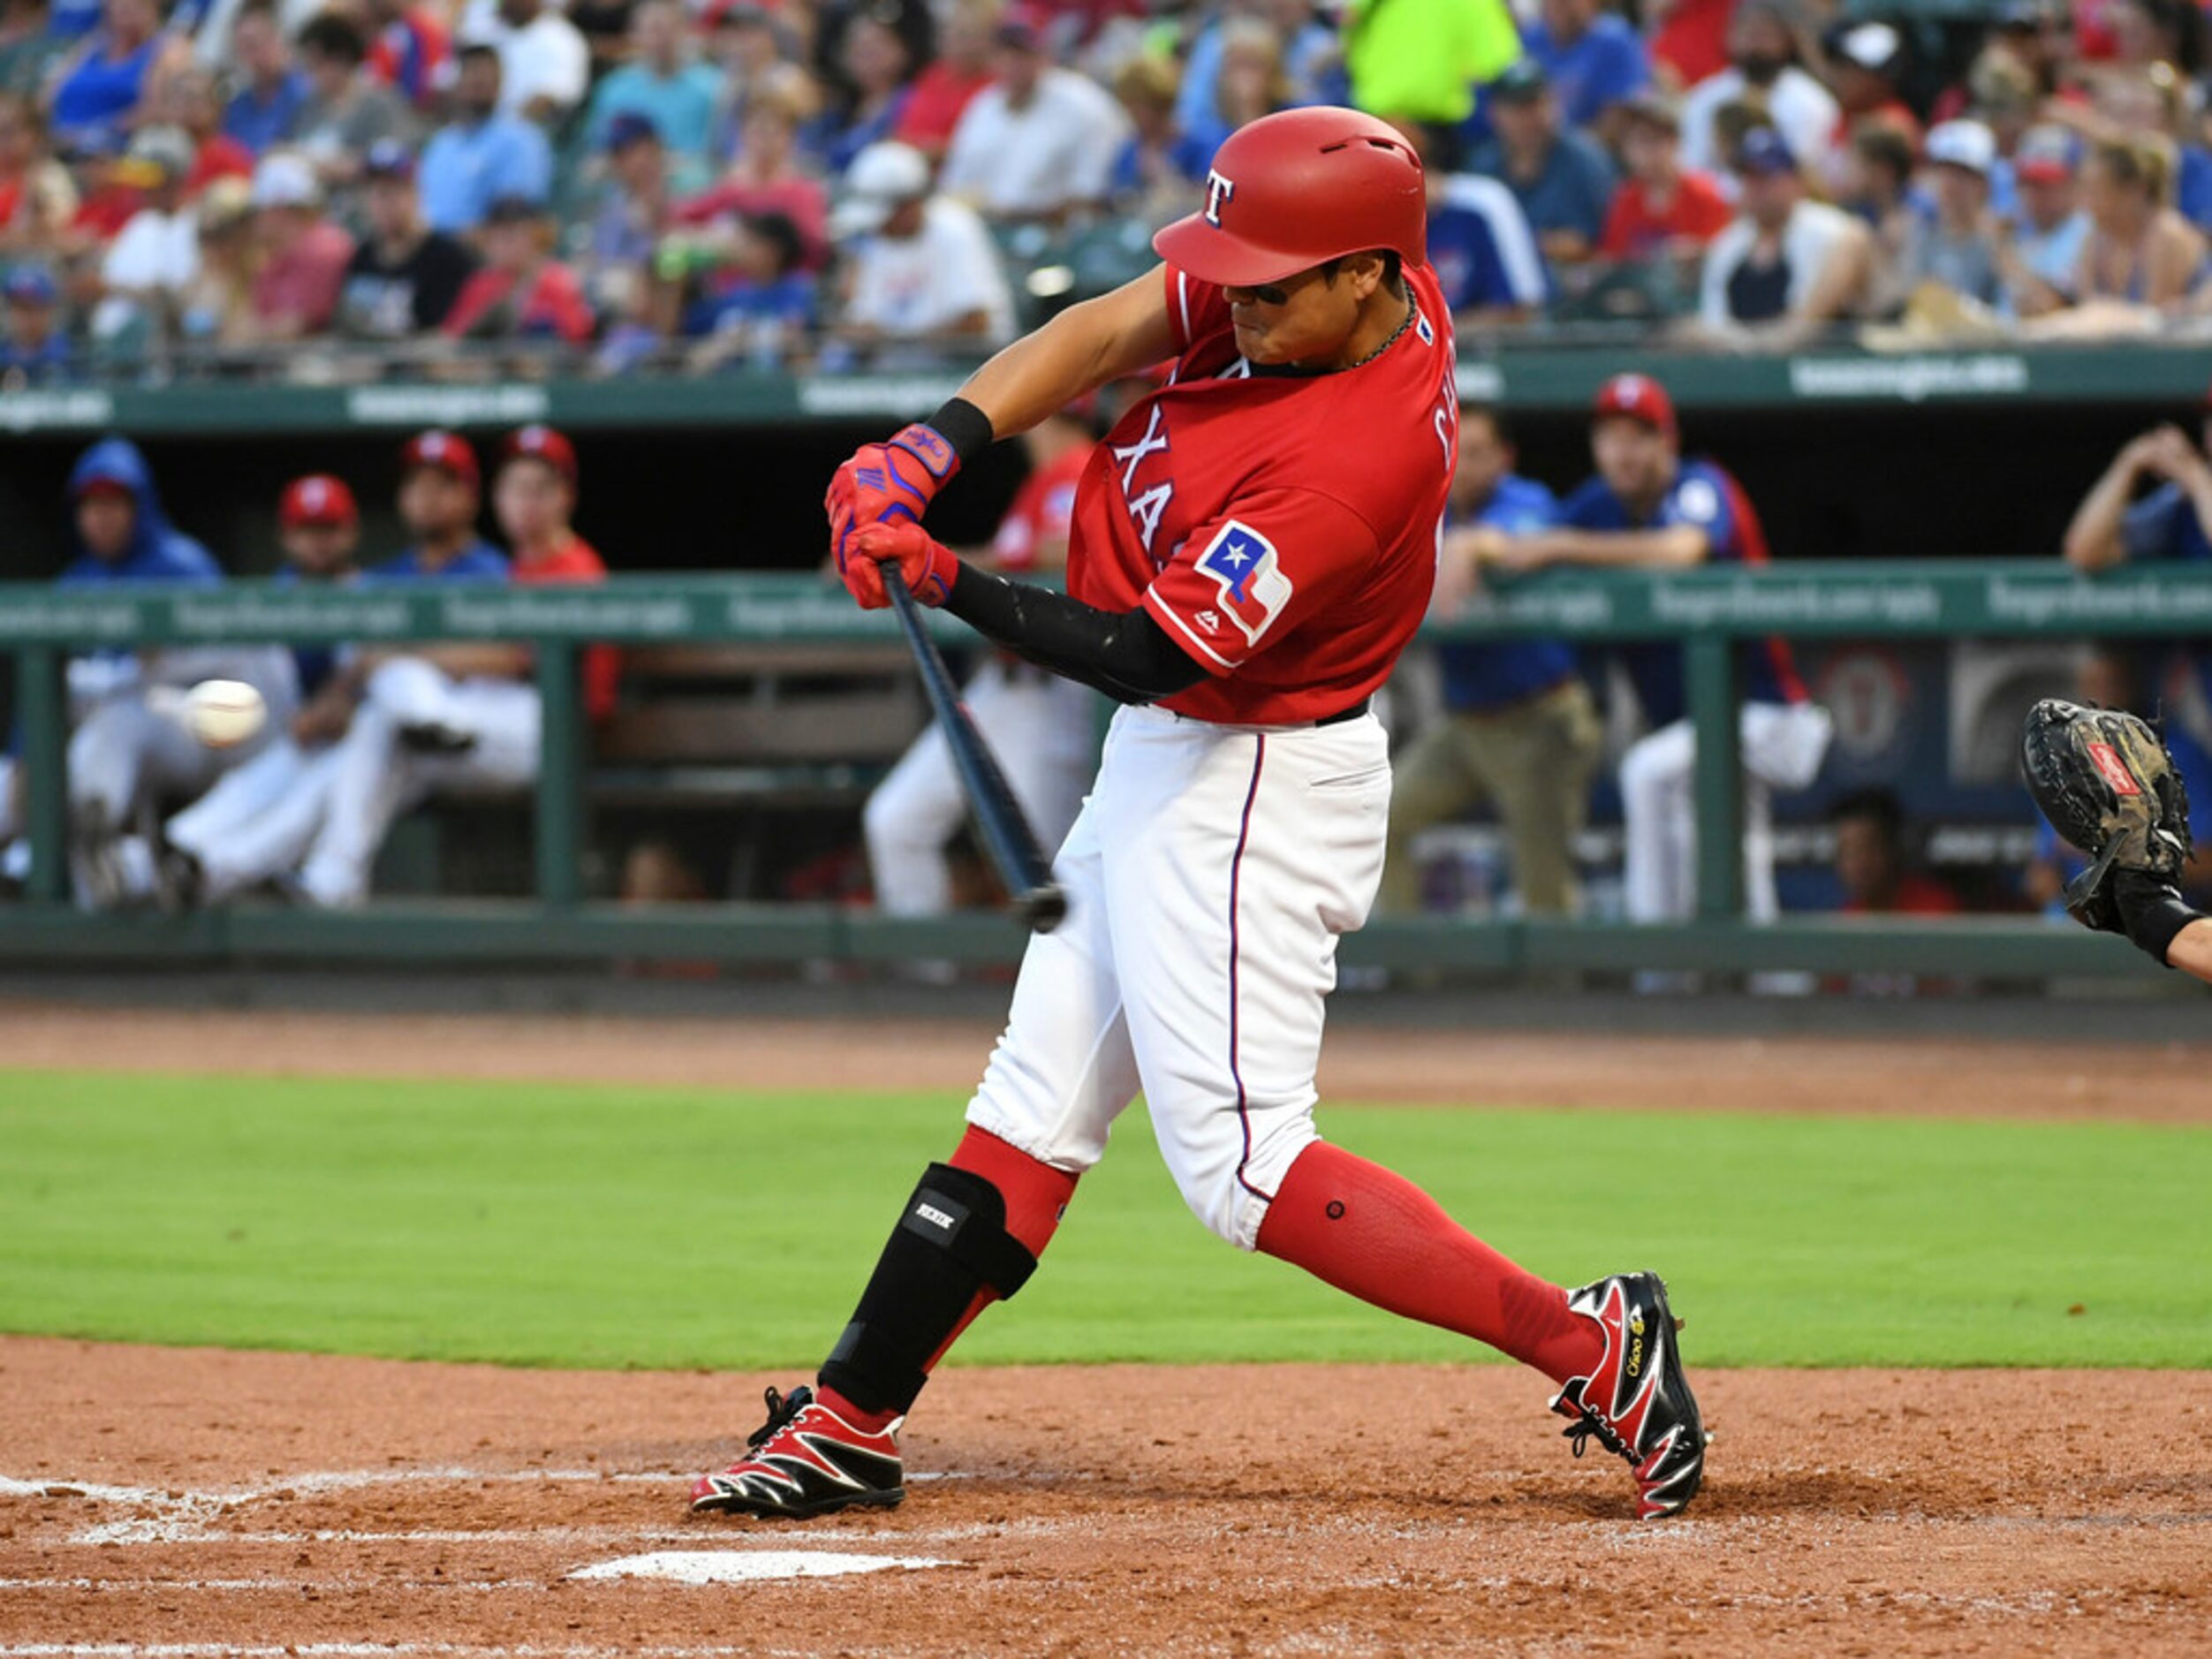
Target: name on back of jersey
{"points": [[1244, 565]]}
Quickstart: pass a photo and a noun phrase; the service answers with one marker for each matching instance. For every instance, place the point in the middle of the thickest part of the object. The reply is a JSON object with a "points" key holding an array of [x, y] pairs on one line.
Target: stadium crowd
{"points": [[756, 182]]}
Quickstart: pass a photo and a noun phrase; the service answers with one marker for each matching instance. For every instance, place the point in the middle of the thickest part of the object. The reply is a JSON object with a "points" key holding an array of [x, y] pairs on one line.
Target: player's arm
{"points": [[2192, 950], [2095, 540]]}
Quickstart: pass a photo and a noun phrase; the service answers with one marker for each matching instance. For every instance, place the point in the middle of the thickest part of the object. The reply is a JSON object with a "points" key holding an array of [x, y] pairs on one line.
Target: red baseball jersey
{"points": [[603, 666], [1043, 510], [1282, 528]]}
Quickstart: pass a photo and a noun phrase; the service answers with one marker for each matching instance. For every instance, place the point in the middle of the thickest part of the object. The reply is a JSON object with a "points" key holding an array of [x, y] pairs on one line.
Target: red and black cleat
{"points": [[1638, 1402], [805, 1461]]}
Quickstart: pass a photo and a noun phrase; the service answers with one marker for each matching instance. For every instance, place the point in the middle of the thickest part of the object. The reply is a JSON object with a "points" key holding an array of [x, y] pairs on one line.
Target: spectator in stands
{"points": [[665, 83], [1765, 69], [483, 154], [216, 305], [942, 92], [1307, 50], [635, 207], [1593, 58], [189, 100], [38, 199], [1519, 729], [544, 65], [1248, 83], [1562, 179], [2139, 252], [1480, 244], [2043, 255], [37, 350], [753, 54], [348, 112], [468, 719], [156, 256], [1649, 507], [1661, 210], [28, 46], [301, 257], [1157, 177], [765, 177], [921, 269], [1873, 865], [265, 111], [1420, 60], [405, 277], [522, 293], [759, 309], [876, 69], [2172, 521], [1866, 62], [408, 46], [1039, 142], [1877, 186], [103, 81], [1962, 248], [2169, 34], [1689, 39], [2155, 103], [1789, 266]]}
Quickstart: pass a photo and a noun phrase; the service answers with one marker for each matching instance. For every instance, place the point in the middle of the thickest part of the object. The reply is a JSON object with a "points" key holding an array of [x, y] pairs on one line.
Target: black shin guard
{"points": [[952, 1242]]}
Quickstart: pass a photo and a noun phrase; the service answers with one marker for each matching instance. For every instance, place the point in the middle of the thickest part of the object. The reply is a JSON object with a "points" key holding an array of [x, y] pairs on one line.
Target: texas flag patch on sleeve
{"points": [[1244, 565]]}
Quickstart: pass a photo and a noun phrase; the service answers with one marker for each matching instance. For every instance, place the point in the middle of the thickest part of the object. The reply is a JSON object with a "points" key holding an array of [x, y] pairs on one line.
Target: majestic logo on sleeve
{"points": [[1254, 588], [1218, 190]]}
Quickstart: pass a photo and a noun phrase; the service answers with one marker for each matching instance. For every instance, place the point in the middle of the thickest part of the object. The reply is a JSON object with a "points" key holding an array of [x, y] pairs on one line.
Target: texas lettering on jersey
{"points": [[1282, 528]]}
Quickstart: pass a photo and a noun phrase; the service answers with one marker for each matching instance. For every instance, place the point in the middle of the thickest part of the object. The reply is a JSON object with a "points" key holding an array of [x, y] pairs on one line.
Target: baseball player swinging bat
{"points": [[1021, 863]]}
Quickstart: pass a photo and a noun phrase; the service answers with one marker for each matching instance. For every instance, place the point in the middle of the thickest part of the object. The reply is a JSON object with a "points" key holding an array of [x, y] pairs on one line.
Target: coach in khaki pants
{"points": [[1520, 730]]}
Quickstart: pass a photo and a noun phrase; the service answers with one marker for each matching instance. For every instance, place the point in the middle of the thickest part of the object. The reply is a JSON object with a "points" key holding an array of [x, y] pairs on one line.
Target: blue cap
{"points": [[1763, 153], [31, 285], [388, 158], [628, 128]]}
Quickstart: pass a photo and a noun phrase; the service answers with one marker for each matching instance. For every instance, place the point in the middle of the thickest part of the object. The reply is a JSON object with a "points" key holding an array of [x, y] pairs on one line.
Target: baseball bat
{"points": [[1021, 863]]}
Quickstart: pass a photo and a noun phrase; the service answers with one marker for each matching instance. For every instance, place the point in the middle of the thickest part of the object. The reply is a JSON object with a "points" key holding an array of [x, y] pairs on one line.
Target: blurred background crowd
{"points": [[480, 185]]}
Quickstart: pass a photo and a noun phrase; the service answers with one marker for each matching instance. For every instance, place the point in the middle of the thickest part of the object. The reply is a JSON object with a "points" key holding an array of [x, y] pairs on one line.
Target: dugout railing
{"points": [[1712, 610]]}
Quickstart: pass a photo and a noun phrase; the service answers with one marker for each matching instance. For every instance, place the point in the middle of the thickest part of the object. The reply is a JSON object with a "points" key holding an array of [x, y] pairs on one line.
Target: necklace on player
{"points": [[1405, 322]]}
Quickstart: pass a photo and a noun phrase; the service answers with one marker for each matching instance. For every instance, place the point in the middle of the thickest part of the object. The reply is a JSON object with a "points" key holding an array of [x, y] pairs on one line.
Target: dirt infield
{"points": [[182, 1502], [1912, 1076]]}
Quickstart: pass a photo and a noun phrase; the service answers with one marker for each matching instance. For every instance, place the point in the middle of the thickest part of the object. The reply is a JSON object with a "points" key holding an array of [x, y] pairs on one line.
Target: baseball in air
{"points": [[224, 713]]}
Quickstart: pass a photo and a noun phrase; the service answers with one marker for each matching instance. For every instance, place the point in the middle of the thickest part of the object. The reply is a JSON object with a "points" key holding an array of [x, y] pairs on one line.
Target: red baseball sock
{"points": [[1036, 1196], [1369, 1230]]}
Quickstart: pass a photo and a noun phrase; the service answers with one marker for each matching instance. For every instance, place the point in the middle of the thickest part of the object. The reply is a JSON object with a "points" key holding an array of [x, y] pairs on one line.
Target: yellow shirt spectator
{"points": [[1420, 60]]}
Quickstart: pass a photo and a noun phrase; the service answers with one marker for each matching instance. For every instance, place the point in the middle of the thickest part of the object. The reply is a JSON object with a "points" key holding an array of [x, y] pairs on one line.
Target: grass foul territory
{"points": [[597, 1226]]}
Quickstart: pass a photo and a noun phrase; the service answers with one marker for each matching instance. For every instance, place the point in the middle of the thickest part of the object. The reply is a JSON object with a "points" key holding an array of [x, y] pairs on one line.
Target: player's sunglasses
{"points": [[1279, 293]]}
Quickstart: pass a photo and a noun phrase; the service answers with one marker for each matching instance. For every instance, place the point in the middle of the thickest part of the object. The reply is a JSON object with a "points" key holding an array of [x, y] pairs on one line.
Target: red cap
{"points": [[540, 442], [445, 451], [317, 499], [1638, 397], [1296, 189]]}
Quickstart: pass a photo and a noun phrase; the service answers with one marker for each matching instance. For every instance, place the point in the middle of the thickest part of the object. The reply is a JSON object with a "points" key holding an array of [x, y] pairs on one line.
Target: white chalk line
{"points": [[748, 1566]]}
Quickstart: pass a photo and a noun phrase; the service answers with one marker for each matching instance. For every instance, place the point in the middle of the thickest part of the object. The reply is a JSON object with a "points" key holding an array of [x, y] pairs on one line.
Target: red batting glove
{"points": [[887, 483], [928, 565]]}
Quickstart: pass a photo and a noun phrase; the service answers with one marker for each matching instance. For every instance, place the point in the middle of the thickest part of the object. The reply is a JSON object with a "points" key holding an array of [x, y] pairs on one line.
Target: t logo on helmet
{"points": [[1218, 190]]}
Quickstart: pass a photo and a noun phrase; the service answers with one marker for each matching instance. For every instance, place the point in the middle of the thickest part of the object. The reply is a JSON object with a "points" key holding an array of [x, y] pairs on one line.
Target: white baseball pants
{"points": [[1782, 746], [1039, 728], [1209, 877], [377, 777]]}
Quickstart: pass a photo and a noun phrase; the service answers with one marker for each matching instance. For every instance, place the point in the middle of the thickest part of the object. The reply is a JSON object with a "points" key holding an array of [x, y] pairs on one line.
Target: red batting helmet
{"points": [[1294, 190]]}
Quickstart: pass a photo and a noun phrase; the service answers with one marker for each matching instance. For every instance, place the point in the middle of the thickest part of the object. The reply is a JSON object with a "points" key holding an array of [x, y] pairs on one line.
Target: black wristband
{"points": [[964, 427], [2153, 913]]}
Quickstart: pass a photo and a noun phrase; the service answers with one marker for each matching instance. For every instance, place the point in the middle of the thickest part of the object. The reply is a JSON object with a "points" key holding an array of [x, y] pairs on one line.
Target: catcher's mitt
{"points": [[2108, 785]]}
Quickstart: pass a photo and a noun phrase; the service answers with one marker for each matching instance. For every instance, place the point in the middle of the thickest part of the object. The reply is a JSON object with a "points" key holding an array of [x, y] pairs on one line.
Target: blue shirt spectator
{"points": [[482, 156], [677, 96], [1309, 55], [1482, 248], [1493, 674], [36, 348], [1594, 58], [1560, 178], [269, 109], [103, 86]]}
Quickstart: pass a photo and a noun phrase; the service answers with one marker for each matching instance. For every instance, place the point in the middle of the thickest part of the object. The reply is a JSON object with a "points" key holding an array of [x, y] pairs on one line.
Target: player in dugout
{"points": [[1253, 547]]}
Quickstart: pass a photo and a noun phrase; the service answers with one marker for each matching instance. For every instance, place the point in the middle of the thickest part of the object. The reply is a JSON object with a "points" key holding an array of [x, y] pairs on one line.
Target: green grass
{"points": [[601, 1226]]}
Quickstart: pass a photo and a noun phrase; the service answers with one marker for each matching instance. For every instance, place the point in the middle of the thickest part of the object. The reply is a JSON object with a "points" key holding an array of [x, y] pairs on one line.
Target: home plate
{"points": [[746, 1566]]}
